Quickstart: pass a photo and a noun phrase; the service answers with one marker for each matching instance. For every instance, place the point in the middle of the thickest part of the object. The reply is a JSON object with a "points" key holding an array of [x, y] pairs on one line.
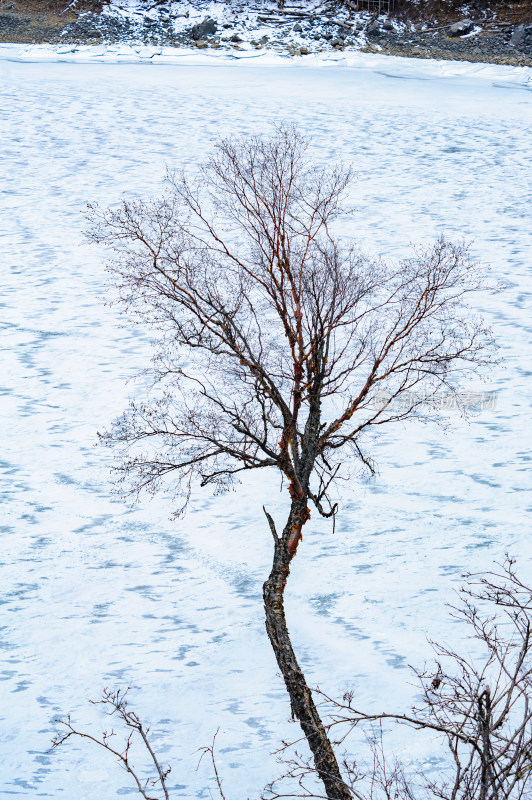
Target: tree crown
{"points": [[279, 343]]}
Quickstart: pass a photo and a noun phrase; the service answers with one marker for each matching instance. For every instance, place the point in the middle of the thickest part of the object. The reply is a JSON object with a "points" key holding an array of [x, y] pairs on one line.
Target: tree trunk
{"points": [[303, 706]]}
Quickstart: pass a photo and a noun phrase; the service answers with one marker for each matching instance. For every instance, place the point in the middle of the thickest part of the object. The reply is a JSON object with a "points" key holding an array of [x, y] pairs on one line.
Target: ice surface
{"points": [[94, 594]]}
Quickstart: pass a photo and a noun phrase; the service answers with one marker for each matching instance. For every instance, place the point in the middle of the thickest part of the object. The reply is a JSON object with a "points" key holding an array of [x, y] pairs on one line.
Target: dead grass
{"points": [[51, 11], [39, 20], [448, 11]]}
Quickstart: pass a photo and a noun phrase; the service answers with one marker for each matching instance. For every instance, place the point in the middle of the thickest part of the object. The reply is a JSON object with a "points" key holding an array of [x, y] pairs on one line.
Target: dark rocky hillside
{"points": [[499, 32]]}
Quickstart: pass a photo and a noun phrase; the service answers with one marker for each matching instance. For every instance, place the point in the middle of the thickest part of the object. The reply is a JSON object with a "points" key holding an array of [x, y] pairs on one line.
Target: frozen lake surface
{"points": [[94, 594]]}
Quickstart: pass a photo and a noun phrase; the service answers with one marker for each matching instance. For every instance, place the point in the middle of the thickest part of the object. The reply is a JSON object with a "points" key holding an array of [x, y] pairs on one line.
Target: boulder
{"points": [[373, 29], [206, 28], [518, 36], [297, 28], [461, 28]]}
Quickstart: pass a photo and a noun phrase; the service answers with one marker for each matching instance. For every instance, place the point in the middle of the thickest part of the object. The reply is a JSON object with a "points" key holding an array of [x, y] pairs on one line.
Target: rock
{"points": [[201, 44], [304, 51], [297, 28], [206, 28], [236, 38], [373, 29], [387, 26], [337, 43], [461, 28], [518, 36]]}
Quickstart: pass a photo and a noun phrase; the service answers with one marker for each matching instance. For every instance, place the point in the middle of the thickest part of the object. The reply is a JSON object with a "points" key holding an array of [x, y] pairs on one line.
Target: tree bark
{"points": [[303, 706]]}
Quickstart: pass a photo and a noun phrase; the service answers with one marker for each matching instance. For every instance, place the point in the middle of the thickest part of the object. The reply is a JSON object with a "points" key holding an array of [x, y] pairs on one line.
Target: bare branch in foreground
{"points": [[210, 751], [480, 707], [115, 702]]}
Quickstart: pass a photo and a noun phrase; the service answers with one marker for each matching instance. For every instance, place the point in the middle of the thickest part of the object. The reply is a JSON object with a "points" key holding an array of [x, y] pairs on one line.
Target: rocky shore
{"points": [[292, 31], [511, 45]]}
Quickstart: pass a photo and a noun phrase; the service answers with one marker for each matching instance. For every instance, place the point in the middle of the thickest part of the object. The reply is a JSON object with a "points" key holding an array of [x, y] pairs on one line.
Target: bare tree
{"points": [[481, 706], [116, 704], [279, 345]]}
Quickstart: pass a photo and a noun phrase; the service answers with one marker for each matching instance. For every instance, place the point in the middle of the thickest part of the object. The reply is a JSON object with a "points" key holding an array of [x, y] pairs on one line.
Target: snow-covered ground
{"points": [[94, 594], [158, 55]]}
